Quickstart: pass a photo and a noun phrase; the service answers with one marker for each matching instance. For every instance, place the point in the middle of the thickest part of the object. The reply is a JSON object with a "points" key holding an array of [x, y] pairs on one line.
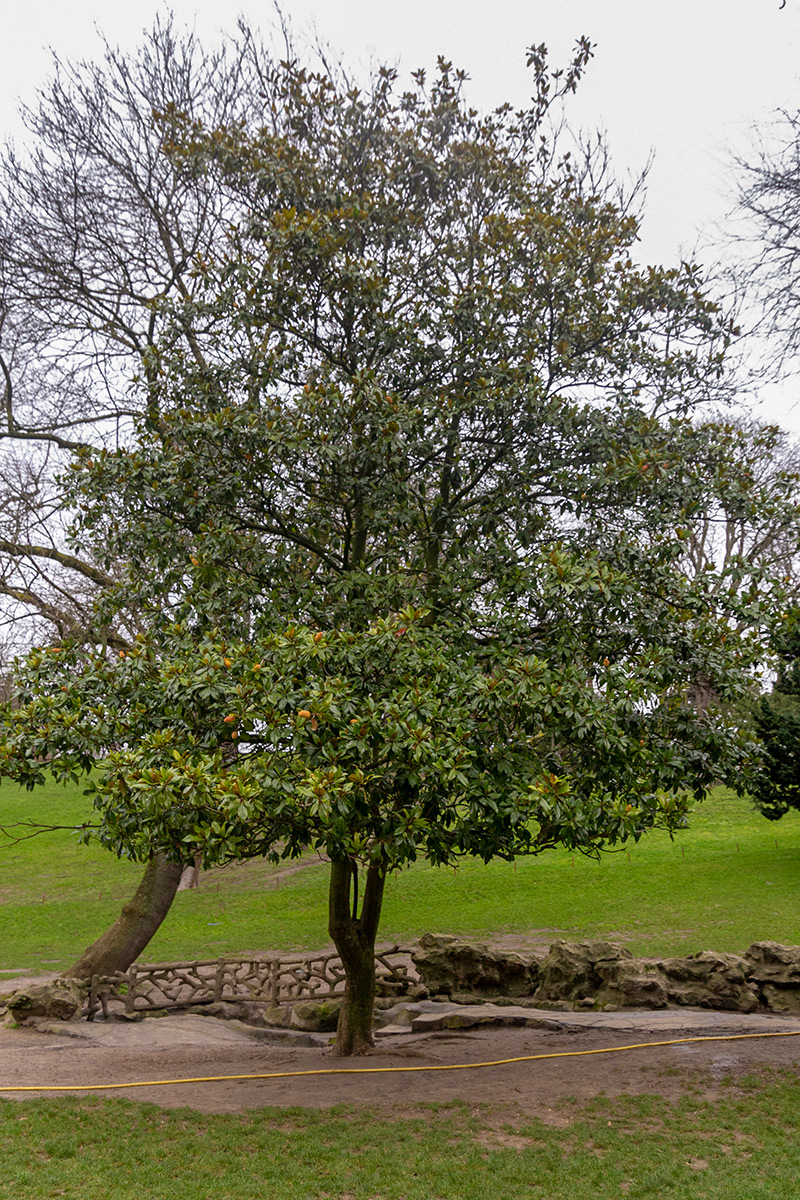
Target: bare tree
{"points": [[767, 239], [750, 507], [97, 230], [741, 533]]}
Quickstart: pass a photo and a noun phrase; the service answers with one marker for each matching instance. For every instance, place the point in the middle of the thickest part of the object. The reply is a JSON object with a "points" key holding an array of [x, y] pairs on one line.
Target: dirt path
{"points": [[186, 1047]]}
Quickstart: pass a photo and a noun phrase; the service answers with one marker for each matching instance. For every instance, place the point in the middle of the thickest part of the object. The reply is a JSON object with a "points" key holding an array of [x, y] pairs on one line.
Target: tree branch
{"points": [[27, 550]]}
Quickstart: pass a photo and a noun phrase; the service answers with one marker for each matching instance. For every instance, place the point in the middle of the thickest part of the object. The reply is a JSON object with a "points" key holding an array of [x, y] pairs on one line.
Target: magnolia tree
{"points": [[404, 516], [379, 746]]}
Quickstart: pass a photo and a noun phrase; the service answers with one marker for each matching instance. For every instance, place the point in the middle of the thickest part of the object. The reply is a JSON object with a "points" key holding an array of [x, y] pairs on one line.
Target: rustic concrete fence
{"points": [[269, 981]]}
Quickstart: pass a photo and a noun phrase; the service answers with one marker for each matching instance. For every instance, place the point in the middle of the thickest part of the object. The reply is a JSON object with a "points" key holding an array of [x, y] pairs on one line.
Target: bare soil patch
{"points": [[41, 1060]]}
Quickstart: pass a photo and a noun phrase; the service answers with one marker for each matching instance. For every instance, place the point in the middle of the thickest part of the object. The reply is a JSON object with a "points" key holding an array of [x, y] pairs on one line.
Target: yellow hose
{"points": [[499, 1062]]}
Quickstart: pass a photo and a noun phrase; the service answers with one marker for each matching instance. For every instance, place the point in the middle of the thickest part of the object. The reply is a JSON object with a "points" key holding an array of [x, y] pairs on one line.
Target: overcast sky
{"points": [[684, 81]]}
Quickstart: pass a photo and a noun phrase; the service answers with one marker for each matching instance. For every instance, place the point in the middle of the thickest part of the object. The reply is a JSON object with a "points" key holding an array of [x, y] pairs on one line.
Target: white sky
{"points": [[684, 80]]}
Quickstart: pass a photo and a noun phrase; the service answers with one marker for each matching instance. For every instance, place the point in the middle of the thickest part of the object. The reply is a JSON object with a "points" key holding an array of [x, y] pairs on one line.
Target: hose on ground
{"points": [[499, 1062]]}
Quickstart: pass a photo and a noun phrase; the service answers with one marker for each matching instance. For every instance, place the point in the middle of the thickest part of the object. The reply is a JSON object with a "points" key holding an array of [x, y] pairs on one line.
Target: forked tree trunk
{"points": [[354, 938], [124, 941]]}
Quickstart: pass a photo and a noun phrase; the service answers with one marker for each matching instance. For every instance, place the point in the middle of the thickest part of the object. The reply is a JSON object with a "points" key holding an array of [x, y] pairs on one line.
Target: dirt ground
{"points": [[161, 1050]]}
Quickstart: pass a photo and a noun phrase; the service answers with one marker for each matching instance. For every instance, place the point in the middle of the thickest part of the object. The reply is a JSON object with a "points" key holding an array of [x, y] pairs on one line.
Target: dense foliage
{"points": [[406, 512], [774, 778]]}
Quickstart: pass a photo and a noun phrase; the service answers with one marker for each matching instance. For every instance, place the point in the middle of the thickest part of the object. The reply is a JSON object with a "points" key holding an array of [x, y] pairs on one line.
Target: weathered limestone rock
{"points": [[704, 980], [316, 1016], [416, 991], [401, 1015], [631, 983], [278, 1015], [482, 1015], [449, 964], [604, 975], [775, 970], [769, 962], [226, 1009], [571, 969], [60, 1000], [780, 999], [710, 980]]}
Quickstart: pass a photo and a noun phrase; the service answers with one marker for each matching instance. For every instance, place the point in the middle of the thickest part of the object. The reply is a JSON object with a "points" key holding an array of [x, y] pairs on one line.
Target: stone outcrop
{"points": [[604, 975], [709, 980], [609, 976], [629, 982], [448, 965], [575, 970], [60, 1000], [321, 1016], [776, 971]]}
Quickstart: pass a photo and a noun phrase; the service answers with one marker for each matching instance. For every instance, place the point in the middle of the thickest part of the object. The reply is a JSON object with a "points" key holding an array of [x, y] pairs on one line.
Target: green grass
{"points": [[731, 879], [742, 1147]]}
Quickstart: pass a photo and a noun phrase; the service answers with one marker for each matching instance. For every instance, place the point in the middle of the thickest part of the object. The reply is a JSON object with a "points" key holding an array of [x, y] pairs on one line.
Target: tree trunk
{"points": [[190, 876], [124, 941], [354, 938]]}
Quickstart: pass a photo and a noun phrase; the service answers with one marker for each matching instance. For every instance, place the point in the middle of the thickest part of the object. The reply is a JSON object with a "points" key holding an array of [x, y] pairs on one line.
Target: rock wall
{"points": [[598, 975], [604, 975], [451, 966]]}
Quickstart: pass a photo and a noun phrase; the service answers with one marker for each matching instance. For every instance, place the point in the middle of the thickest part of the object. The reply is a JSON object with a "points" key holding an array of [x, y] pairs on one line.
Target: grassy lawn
{"points": [[732, 879], [742, 1147]]}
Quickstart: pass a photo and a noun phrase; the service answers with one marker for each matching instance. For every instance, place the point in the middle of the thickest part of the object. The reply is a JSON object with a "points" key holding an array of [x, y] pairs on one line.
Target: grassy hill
{"points": [[731, 879]]}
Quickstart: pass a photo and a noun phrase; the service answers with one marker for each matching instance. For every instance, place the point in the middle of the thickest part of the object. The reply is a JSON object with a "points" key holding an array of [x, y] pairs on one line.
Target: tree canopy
{"points": [[405, 512]]}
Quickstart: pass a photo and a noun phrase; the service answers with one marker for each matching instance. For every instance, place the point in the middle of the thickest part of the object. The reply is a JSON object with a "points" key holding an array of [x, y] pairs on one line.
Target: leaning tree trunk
{"points": [[124, 941], [354, 938]]}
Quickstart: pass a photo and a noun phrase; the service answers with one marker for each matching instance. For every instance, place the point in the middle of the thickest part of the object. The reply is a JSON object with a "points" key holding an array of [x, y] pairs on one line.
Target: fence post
{"points": [[130, 995], [275, 982], [92, 1005]]}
